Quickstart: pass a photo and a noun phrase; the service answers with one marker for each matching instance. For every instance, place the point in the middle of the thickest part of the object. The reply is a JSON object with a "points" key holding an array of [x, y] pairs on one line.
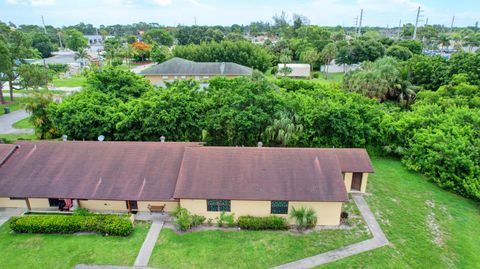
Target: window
{"points": [[164, 77], [205, 77], [279, 207], [184, 77], [53, 202], [218, 205], [17, 198]]}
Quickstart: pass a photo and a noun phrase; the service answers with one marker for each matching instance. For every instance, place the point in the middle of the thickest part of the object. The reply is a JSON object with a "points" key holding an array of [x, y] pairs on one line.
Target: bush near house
{"points": [[104, 224], [185, 220], [262, 223]]}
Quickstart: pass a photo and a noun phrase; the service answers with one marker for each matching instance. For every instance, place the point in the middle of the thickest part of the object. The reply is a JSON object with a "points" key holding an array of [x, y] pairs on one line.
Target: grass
{"points": [[76, 81], [427, 227], [65, 251], [42, 90], [23, 124], [11, 138], [16, 105], [247, 249]]}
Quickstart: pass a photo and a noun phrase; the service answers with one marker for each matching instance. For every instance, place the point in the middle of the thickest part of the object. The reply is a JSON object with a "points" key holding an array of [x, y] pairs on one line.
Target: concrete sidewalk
{"points": [[148, 245], [378, 240], [7, 120]]}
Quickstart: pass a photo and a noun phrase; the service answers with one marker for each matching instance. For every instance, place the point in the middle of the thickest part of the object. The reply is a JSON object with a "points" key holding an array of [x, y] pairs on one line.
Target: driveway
{"points": [[140, 68], [7, 120]]}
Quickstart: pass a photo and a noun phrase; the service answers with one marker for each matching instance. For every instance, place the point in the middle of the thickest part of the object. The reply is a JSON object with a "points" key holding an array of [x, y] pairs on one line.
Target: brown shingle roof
{"points": [[354, 160], [5, 151], [292, 174], [163, 171], [93, 170]]}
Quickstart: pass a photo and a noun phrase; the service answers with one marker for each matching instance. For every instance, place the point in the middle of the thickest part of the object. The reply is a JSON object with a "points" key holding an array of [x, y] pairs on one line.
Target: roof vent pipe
{"points": [[260, 144], [101, 138], [64, 137], [162, 138]]}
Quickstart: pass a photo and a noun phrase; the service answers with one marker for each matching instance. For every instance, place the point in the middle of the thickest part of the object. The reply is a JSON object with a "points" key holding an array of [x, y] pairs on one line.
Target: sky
{"points": [[226, 12]]}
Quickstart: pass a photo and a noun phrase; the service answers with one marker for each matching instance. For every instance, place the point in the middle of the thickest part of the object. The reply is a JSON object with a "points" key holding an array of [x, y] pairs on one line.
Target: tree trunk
{"points": [[2, 100], [326, 71], [10, 83]]}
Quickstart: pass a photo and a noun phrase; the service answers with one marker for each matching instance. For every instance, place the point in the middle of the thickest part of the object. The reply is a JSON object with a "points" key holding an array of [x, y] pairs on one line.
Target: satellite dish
{"points": [[101, 138]]}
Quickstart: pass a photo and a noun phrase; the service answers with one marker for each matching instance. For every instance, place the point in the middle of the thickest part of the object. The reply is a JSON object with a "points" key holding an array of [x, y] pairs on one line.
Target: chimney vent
{"points": [[64, 137], [162, 138], [260, 144], [101, 138]]}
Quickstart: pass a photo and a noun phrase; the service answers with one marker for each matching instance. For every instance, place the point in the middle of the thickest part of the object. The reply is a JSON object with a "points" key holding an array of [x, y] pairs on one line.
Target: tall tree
{"points": [[328, 54], [310, 56], [75, 40]]}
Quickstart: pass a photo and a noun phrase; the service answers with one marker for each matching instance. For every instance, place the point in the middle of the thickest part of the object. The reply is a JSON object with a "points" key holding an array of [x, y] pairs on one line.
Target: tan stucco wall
{"points": [[6, 202], [103, 205], [169, 205], [328, 213], [347, 178], [38, 203], [363, 188]]}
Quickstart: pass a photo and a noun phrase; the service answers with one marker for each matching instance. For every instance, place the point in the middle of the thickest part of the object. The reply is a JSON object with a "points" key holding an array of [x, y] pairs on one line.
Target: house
{"points": [[297, 70], [130, 176], [178, 68]]}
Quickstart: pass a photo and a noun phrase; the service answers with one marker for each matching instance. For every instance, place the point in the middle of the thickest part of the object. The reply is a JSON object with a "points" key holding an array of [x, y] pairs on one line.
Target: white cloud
{"points": [[31, 2], [162, 2]]}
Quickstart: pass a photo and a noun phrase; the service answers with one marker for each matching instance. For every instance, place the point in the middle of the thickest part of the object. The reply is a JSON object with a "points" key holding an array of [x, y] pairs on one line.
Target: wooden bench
{"points": [[156, 208]]}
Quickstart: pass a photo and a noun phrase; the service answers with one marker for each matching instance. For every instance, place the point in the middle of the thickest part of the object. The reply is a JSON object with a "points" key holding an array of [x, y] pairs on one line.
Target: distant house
{"points": [[133, 176], [298, 70], [178, 69]]}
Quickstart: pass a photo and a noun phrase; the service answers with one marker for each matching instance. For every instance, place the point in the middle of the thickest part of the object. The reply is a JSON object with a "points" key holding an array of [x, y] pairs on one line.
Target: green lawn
{"points": [[76, 81], [11, 138], [16, 105], [413, 214], [248, 249], [23, 124], [65, 251]]}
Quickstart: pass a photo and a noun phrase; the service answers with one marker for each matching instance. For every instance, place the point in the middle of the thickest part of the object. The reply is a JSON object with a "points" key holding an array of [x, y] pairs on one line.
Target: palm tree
{"points": [[285, 57], [304, 217], [329, 53], [444, 40], [283, 130], [81, 54], [310, 56]]}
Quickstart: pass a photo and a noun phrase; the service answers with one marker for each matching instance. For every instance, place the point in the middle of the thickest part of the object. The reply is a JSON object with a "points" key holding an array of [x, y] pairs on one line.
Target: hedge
{"points": [[104, 224], [262, 223]]}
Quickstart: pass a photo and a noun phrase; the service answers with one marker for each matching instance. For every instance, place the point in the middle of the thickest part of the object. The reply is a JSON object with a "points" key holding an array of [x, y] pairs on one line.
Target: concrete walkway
{"points": [[378, 240], [7, 120], [148, 245]]}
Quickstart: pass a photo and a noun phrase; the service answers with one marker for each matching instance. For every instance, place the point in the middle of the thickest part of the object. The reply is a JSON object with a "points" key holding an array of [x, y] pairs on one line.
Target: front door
{"points": [[357, 181], [132, 206]]}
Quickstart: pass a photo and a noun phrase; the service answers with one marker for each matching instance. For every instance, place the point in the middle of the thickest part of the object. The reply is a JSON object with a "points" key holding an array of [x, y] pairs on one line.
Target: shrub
{"points": [[262, 223], [304, 217], [82, 212], [58, 68], [185, 220], [104, 224], [197, 220], [226, 220]]}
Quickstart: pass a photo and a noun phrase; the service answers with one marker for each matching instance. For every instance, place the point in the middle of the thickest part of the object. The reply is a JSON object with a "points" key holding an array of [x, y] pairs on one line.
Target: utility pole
{"points": [[360, 24], [356, 26], [453, 21], [476, 26], [44, 28], [195, 20], [426, 22], [60, 39], [416, 23], [399, 29]]}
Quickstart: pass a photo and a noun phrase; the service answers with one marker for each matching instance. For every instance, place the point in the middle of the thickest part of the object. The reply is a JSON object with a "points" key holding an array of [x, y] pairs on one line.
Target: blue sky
{"points": [[226, 12]]}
